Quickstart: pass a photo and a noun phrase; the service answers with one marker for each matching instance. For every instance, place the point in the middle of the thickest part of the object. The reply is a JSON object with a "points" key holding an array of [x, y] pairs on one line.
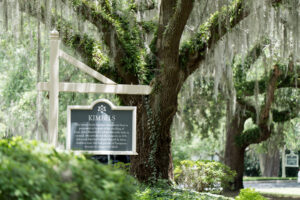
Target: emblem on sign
{"points": [[101, 109]]}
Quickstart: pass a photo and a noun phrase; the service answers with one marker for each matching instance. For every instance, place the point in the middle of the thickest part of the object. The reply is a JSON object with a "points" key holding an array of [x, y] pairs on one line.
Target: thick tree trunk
{"points": [[154, 158], [270, 159], [154, 119], [234, 158], [270, 163], [156, 112], [234, 154]]}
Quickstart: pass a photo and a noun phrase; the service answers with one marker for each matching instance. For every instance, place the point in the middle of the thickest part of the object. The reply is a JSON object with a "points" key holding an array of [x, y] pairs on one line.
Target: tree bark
{"points": [[234, 154], [153, 134], [269, 160], [269, 163], [156, 111]]}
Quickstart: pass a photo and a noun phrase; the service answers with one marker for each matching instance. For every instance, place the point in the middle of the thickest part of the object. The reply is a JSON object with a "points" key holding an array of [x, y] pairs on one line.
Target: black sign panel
{"points": [[102, 128], [292, 160]]}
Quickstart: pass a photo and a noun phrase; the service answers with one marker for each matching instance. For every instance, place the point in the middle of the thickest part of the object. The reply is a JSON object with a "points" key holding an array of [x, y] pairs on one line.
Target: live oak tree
{"points": [[280, 107], [165, 67], [237, 138]]}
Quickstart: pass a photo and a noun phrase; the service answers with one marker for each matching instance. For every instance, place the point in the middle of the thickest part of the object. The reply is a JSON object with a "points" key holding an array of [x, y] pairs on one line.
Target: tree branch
{"points": [[89, 48], [174, 29], [220, 23], [264, 115], [123, 44], [166, 11], [285, 80], [193, 51], [263, 131]]}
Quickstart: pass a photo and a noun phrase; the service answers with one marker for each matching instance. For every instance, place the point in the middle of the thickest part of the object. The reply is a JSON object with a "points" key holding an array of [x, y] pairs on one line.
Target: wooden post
{"points": [[283, 162], [54, 87]]}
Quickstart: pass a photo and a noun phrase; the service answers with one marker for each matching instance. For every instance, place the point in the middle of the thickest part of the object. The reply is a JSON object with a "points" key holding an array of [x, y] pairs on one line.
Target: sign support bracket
{"points": [[54, 86]]}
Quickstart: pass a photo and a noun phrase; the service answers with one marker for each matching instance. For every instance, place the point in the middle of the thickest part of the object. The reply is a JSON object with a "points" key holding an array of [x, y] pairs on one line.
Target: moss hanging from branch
{"points": [[126, 28], [217, 26]]}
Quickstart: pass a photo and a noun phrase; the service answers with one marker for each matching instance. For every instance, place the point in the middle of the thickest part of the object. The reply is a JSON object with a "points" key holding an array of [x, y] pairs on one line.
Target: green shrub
{"points": [[32, 170], [122, 166], [251, 165], [248, 193], [203, 175]]}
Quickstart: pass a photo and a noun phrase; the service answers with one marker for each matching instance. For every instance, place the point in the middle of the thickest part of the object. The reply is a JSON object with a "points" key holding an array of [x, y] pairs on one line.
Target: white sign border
{"points": [[113, 107], [291, 154]]}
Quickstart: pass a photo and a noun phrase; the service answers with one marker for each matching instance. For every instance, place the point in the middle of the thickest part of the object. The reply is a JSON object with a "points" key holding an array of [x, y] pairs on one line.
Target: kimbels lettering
{"points": [[102, 117]]}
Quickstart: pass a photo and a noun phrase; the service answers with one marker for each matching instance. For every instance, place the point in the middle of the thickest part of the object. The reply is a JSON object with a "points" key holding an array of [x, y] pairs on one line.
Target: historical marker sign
{"points": [[102, 128], [292, 160]]}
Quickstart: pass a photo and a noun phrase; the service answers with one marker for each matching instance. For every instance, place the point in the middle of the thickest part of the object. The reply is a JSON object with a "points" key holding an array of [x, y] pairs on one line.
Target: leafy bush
{"points": [[32, 170], [251, 164], [170, 193], [203, 175], [248, 193], [122, 166]]}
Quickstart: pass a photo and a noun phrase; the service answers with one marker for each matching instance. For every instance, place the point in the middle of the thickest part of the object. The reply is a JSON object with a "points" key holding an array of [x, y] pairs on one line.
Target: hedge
{"points": [[34, 171]]}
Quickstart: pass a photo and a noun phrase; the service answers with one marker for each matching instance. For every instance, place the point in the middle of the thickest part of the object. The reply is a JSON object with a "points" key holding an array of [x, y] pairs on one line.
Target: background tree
{"points": [[270, 93], [199, 125]]}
